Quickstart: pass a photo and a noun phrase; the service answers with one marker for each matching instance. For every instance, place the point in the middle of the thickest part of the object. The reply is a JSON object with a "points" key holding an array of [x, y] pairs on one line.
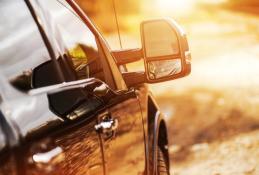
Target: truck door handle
{"points": [[107, 126]]}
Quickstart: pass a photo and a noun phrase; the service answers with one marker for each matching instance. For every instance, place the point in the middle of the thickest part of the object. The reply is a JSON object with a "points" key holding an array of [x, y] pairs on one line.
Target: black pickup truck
{"points": [[68, 104]]}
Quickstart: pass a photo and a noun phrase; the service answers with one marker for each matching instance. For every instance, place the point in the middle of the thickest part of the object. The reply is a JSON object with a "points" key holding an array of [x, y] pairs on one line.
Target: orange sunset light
{"points": [[175, 5], [182, 6]]}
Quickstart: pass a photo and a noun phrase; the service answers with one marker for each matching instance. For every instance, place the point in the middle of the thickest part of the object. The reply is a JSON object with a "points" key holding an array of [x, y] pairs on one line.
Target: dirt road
{"points": [[214, 113], [236, 156]]}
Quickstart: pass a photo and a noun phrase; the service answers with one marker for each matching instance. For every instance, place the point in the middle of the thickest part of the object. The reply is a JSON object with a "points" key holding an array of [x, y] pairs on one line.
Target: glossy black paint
{"points": [[125, 151], [46, 141]]}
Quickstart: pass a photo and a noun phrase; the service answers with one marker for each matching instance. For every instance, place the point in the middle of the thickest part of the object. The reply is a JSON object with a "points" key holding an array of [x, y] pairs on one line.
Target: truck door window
{"points": [[77, 42]]}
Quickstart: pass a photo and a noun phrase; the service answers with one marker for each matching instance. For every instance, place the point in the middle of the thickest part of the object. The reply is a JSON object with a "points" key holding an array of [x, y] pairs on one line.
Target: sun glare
{"points": [[175, 5]]}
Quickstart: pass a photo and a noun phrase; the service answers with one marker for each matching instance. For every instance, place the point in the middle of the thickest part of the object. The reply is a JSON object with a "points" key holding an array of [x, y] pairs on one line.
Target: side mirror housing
{"points": [[165, 50]]}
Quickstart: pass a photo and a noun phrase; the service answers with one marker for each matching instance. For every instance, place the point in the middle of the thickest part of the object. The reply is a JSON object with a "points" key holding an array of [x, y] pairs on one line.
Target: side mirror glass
{"points": [[164, 68], [165, 53], [159, 39]]}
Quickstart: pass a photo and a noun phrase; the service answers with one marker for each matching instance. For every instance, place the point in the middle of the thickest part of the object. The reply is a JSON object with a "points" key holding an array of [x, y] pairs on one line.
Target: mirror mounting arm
{"points": [[133, 79], [127, 56]]}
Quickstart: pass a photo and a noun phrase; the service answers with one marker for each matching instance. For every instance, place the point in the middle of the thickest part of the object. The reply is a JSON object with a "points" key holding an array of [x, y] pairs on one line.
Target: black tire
{"points": [[162, 168]]}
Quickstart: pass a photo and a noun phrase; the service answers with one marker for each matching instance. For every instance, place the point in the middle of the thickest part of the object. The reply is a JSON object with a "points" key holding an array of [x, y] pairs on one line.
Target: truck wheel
{"points": [[162, 168]]}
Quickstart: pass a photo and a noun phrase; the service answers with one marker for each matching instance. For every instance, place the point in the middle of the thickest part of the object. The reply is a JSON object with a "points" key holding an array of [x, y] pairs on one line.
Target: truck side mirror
{"points": [[165, 50]]}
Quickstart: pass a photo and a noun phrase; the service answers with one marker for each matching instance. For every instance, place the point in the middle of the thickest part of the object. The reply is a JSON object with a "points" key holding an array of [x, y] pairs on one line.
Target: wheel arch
{"points": [[157, 133]]}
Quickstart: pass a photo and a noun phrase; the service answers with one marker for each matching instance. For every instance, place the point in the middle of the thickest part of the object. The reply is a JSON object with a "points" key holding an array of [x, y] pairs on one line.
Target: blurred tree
{"points": [[245, 2], [247, 6]]}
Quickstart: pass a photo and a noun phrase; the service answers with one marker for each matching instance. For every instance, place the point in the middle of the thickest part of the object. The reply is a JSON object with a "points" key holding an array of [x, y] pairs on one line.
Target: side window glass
{"points": [[21, 47], [80, 47]]}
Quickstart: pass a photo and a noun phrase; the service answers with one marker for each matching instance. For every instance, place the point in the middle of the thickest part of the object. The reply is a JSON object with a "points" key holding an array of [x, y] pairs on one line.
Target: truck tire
{"points": [[162, 168]]}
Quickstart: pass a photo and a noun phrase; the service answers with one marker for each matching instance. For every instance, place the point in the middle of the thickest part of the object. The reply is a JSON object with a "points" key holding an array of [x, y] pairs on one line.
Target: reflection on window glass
{"points": [[79, 42], [21, 46]]}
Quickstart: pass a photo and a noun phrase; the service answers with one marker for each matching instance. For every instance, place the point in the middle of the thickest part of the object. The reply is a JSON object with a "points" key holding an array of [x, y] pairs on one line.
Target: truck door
{"points": [[124, 139], [123, 142]]}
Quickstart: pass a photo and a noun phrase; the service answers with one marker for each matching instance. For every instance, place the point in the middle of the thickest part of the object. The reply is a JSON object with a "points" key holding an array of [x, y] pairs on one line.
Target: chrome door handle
{"points": [[108, 125]]}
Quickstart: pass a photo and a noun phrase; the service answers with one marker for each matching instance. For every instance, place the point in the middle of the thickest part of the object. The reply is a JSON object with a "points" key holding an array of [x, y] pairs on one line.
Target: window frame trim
{"points": [[118, 83], [45, 39], [97, 35], [103, 44]]}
